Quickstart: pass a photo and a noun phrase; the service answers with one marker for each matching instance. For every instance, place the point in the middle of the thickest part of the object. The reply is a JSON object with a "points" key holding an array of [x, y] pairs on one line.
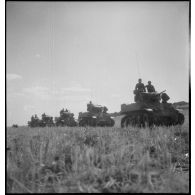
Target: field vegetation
{"points": [[75, 159]]}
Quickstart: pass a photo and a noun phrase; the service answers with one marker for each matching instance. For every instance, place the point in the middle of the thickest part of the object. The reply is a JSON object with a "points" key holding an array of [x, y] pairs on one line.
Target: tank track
{"points": [[87, 122], [93, 122], [108, 123]]}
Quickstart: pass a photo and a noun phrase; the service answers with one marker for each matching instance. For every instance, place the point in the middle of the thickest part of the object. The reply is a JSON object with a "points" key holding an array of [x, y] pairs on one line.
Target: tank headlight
{"points": [[94, 117], [149, 109]]}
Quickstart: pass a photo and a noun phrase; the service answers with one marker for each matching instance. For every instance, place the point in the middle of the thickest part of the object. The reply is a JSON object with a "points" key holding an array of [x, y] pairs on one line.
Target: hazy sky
{"points": [[63, 54]]}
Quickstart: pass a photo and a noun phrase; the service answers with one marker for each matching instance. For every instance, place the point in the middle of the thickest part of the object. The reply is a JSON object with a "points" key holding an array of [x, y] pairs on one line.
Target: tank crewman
{"points": [[62, 112], [105, 109], [43, 115], [150, 87], [32, 118], [140, 86], [89, 106]]}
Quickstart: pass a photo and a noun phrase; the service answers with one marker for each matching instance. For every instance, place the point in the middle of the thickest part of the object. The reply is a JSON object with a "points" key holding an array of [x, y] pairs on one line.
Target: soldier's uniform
{"points": [[105, 109], [150, 88], [43, 115], [140, 87], [62, 112]]}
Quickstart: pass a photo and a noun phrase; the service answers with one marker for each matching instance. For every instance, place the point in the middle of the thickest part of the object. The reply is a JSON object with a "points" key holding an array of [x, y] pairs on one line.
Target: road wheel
{"points": [[123, 122]]}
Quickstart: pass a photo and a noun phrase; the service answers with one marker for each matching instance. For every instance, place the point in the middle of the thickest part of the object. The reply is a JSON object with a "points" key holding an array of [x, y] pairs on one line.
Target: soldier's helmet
{"points": [[139, 80], [149, 82]]}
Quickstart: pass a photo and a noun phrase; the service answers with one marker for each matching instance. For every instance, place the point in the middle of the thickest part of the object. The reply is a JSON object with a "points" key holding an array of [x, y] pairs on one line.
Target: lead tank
{"points": [[150, 109], [96, 116]]}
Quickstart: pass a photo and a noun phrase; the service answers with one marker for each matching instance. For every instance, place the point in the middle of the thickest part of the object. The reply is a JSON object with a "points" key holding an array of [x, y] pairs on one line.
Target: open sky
{"points": [[64, 54]]}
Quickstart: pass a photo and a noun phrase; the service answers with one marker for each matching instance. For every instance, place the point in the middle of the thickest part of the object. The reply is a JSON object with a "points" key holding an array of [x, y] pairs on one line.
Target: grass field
{"points": [[60, 160]]}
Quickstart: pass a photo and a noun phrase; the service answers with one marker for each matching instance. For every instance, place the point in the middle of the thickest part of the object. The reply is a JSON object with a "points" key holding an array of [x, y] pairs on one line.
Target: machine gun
{"points": [[160, 96], [151, 97]]}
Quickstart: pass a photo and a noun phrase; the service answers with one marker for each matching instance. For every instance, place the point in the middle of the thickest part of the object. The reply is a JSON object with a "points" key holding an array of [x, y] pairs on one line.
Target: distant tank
{"points": [[34, 122], [66, 119], [15, 126], [96, 116], [46, 121], [149, 110]]}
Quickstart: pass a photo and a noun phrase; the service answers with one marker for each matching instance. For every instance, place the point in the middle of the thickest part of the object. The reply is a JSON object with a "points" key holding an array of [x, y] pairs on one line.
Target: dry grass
{"points": [[89, 159]]}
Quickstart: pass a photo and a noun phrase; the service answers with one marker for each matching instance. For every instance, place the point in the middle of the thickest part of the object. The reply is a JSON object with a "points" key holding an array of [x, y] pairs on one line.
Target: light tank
{"points": [[66, 119], [45, 121], [34, 122], [150, 109], [96, 116]]}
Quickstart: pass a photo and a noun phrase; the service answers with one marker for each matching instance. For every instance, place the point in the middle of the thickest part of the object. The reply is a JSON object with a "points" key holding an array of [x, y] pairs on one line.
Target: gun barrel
{"points": [[162, 91]]}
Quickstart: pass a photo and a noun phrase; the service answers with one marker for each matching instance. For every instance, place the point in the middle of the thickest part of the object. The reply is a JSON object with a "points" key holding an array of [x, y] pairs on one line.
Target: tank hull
{"points": [[143, 115], [94, 120], [69, 122]]}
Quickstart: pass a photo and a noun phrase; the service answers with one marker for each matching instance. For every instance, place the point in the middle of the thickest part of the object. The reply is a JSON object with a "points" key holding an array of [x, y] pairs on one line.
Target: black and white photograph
{"points": [[98, 96]]}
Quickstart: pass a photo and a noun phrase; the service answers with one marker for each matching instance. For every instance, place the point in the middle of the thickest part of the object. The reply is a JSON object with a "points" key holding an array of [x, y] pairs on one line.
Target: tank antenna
{"points": [[91, 93], [138, 70], [51, 44]]}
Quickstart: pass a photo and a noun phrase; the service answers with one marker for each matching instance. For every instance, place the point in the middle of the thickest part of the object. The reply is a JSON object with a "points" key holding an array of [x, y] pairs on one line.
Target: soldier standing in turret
{"points": [[62, 112], [150, 87], [139, 88], [32, 118], [89, 106], [43, 115], [105, 109]]}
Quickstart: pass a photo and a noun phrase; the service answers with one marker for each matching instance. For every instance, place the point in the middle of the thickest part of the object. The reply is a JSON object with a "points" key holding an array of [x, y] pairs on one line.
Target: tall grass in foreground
{"points": [[89, 159]]}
